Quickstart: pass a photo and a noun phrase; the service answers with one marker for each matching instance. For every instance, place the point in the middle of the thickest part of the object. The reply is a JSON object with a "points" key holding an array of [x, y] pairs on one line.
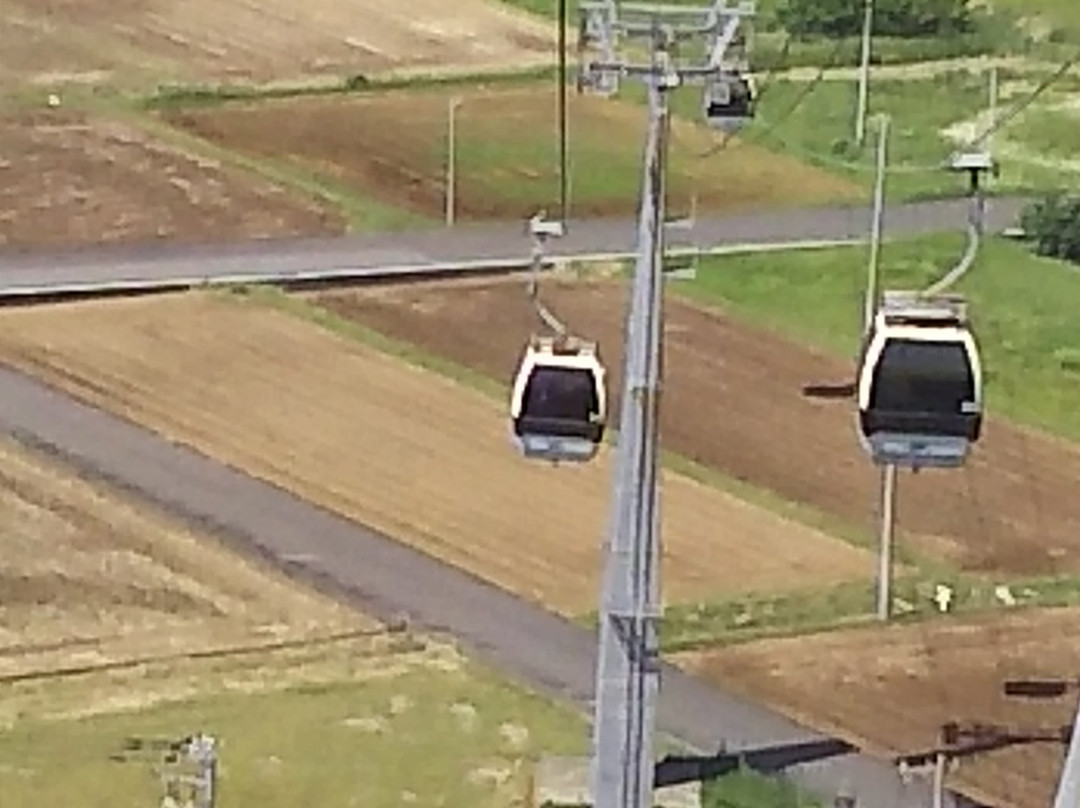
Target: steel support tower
{"points": [[627, 675]]}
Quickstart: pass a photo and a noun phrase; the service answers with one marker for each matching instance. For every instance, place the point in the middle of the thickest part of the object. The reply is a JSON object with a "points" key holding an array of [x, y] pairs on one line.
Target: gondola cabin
{"points": [[558, 404], [729, 103], [920, 384]]}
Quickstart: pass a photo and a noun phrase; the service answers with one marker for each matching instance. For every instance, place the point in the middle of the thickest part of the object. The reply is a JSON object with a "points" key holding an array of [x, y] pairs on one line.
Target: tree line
{"points": [[892, 18]]}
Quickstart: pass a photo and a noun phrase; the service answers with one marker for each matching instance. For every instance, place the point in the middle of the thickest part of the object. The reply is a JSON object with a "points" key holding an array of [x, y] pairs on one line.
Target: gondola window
{"points": [[561, 394], [917, 376]]}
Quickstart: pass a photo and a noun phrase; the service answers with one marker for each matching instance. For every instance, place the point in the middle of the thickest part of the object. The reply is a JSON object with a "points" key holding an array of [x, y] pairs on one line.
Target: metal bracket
{"points": [[603, 25], [634, 632]]}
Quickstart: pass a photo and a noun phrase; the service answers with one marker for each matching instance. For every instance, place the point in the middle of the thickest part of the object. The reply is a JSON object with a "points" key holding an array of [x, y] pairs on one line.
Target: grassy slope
{"points": [[1062, 14], [1023, 309], [296, 748], [764, 287], [820, 131], [310, 746]]}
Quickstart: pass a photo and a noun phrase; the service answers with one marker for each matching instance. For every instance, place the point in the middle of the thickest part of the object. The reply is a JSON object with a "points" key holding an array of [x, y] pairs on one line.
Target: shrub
{"points": [[899, 18], [1052, 224]]}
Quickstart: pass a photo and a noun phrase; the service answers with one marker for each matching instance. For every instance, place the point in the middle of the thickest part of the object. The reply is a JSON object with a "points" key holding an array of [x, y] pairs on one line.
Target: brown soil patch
{"points": [[891, 689], [87, 577], [122, 41], [68, 179], [732, 402], [402, 450], [394, 145]]}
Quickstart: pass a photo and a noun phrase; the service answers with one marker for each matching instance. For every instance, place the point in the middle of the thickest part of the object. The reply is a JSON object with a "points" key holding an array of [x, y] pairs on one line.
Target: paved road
{"points": [[387, 579], [380, 575], [508, 242]]}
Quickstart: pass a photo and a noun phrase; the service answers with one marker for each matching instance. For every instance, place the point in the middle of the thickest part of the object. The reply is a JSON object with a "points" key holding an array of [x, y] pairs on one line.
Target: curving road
{"points": [[379, 575]]}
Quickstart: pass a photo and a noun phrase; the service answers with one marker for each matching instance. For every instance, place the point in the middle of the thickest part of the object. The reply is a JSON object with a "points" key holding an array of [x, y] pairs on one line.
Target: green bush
{"points": [[900, 18], [1052, 224]]}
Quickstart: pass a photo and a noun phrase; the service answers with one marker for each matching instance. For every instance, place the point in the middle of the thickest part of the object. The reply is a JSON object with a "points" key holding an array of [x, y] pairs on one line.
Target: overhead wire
{"points": [[964, 265], [984, 531], [773, 126], [769, 81], [770, 76], [807, 90], [995, 126], [1027, 101], [974, 232], [547, 317]]}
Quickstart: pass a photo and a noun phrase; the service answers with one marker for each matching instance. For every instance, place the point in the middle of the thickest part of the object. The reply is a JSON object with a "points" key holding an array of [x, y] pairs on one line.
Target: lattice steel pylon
{"points": [[627, 675], [187, 767]]}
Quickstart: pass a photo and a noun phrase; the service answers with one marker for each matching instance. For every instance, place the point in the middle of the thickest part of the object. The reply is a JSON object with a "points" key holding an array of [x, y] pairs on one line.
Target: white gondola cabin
{"points": [[729, 103], [920, 385], [559, 401]]}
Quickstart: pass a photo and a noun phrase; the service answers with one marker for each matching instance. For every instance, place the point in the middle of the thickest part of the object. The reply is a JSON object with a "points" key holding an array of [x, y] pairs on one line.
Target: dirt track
{"points": [[394, 145], [732, 401], [71, 179], [890, 689], [401, 450]]}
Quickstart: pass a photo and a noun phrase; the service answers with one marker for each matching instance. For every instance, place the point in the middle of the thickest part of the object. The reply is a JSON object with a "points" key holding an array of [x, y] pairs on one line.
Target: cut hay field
{"points": [[88, 578], [117, 623], [402, 450], [889, 689], [392, 145], [733, 402], [134, 42], [71, 178]]}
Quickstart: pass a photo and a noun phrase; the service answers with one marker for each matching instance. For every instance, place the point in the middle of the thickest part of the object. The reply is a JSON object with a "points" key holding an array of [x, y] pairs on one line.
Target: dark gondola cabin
{"points": [[559, 403], [729, 104], [921, 378]]}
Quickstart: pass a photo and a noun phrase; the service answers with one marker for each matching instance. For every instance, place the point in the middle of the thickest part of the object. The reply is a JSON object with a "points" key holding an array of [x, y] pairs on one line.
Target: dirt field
{"points": [[892, 688], [402, 450], [68, 179], [1013, 510], [394, 144], [86, 577], [129, 41]]}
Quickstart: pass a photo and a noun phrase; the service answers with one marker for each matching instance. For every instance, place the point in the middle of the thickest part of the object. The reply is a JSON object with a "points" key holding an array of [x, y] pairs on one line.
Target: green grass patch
{"points": [[749, 789], [1023, 309], [687, 627], [815, 124], [1060, 17], [329, 745], [770, 53], [819, 131], [1050, 133]]}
